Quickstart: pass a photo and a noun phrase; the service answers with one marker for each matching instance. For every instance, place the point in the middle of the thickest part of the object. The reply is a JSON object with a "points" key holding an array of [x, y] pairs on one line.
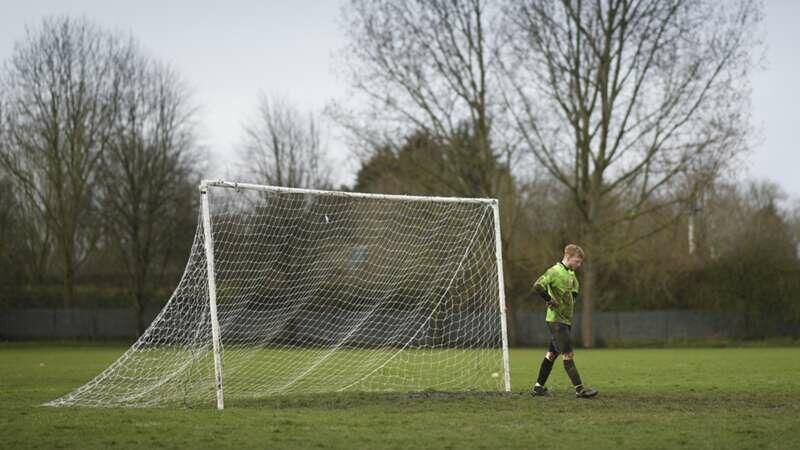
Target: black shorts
{"points": [[560, 341]]}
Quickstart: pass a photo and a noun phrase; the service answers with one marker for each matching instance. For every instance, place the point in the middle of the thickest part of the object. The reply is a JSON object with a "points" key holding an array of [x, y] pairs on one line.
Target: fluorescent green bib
{"points": [[562, 285]]}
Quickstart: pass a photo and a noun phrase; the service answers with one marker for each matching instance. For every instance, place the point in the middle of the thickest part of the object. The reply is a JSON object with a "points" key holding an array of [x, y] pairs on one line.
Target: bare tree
{"points": [[26, 234], [60, 86], [146, 167], [794, 223], [428, 67], [618, 98], [425, 66], [27, 240], [283, 147]]}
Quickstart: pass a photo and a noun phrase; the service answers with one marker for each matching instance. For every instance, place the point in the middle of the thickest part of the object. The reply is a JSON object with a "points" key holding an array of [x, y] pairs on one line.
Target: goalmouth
{"points": [[307, 291]]}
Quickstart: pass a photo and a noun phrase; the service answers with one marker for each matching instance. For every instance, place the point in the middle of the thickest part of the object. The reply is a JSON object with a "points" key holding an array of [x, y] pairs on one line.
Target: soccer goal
{"points": [[306, 291]]}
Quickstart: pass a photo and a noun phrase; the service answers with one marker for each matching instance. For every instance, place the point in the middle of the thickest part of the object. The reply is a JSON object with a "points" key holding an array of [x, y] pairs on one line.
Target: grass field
{"points": [[649, 398]]}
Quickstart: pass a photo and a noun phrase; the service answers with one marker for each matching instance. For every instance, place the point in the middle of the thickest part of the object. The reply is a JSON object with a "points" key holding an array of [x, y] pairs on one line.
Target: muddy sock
{"points": [[572, 371], [544, 371]]}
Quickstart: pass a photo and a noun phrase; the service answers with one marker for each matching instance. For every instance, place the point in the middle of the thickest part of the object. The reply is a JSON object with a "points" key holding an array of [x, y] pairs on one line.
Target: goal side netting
{"points": [[302, 291]]}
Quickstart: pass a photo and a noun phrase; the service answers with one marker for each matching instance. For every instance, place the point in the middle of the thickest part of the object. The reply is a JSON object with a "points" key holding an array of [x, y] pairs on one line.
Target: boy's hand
{"points": [[545, 296]]}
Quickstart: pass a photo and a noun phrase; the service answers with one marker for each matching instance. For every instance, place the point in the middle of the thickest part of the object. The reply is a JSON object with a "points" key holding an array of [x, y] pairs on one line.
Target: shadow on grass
{"points": [[679, 400], [347, 400]]}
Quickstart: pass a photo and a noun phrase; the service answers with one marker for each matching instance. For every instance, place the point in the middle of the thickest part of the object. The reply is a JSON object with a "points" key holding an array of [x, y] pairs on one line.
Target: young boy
{"points": [[558, 287]]}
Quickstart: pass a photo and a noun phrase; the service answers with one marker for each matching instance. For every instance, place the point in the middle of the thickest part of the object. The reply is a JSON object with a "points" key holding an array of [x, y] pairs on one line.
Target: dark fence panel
{"points": [[651, 326], [610, 327], [83, 323]]}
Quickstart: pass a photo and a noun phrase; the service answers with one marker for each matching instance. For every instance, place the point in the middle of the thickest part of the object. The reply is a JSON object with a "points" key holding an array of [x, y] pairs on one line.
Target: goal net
{"points": [[302, 291]]}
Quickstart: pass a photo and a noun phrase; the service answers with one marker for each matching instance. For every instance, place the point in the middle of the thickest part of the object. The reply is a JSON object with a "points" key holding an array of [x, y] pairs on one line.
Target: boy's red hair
{"points": [[573, 250]]}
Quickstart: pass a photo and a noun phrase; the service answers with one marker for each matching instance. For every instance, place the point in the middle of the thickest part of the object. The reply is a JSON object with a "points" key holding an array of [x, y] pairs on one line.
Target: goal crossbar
{"points": [[260, 187]]}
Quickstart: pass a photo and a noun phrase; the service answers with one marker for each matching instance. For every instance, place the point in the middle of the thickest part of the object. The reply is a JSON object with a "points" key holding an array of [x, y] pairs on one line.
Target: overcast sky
{"points": [[229, 51]]}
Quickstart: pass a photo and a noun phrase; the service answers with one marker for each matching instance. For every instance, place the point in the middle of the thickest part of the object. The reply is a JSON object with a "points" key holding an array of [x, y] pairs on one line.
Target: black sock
{"points": [[572, 371], [544, 371]]}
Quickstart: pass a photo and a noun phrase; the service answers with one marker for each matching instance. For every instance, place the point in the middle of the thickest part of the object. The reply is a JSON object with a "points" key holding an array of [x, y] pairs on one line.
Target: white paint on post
{"points": [[212, 295], [501, 290]]}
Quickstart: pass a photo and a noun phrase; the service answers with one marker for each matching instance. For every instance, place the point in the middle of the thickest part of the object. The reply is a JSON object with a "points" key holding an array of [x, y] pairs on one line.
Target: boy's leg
{"points": [[546, 367], [564, 343], [544, 371], [572, 371]]}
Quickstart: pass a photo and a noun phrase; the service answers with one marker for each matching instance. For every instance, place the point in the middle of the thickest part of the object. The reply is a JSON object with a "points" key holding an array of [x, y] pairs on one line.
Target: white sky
{"points": [[228, 52], [776, 99]]}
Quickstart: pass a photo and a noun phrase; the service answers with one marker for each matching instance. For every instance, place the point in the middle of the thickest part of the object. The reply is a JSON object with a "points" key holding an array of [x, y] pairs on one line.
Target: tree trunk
{"points": [[587, 302], [139, 303], [68, 291], [140, 292], [589, 266]]}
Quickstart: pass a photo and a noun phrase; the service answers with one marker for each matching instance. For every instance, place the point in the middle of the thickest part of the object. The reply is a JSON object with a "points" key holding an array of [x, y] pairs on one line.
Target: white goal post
{"points": [[306, 291]]}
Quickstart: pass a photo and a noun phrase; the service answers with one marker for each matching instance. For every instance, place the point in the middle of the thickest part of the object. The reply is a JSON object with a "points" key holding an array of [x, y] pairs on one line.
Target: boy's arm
{"points": [[576, 291], [540, 287]]}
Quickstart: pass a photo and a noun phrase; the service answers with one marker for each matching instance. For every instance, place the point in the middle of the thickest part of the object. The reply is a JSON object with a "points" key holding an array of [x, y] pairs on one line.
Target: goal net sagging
{"points": [[320, 292]]}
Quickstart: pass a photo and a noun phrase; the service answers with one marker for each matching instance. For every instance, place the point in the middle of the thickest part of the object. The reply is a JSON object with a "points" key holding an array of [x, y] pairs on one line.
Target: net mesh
{"points": [[320, 293]]}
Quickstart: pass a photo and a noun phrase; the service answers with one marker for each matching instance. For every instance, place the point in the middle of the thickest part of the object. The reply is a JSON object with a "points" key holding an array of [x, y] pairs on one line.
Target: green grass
{"points": [[650, 398]]}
